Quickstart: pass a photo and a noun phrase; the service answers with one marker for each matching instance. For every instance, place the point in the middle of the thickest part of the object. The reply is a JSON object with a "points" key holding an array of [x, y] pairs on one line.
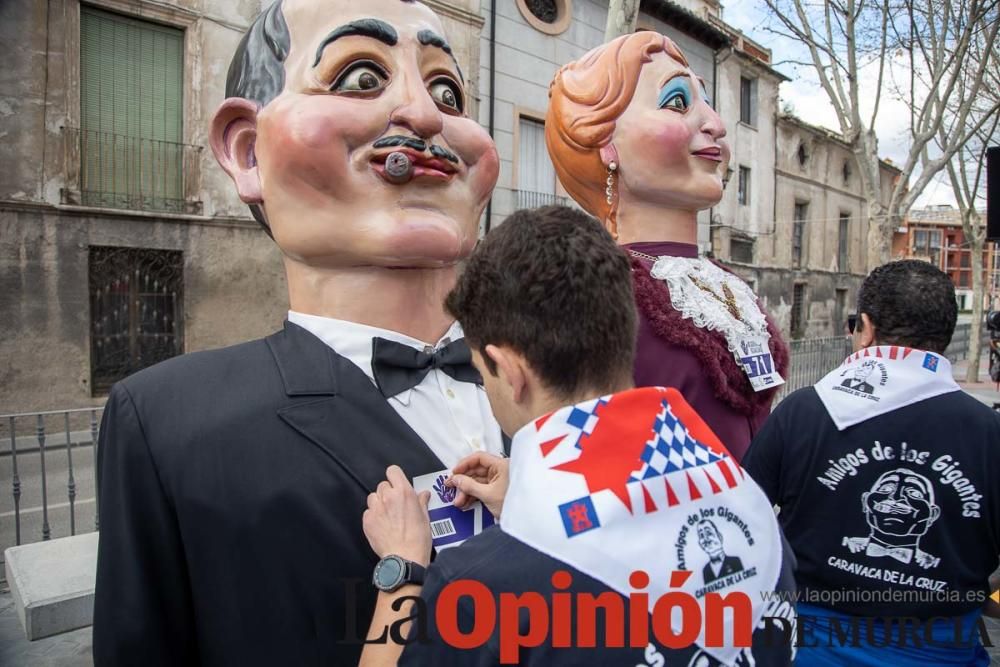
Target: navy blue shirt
{"points": [[905, 502], [506, 565]]}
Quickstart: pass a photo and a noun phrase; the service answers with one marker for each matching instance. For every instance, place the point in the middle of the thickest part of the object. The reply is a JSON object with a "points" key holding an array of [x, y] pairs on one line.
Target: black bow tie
{"points": [[399, 367]]}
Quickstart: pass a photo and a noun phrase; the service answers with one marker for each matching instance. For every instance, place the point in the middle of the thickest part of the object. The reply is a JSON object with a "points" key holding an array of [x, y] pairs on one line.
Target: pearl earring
{"points": [[609, 190]]}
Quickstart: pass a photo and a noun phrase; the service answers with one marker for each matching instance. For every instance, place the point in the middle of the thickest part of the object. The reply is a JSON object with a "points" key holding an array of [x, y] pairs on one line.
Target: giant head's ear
{"points": [[232, 136]]}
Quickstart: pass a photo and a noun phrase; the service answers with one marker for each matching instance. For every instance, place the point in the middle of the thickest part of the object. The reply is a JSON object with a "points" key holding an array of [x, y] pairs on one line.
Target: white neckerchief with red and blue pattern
{"points": [[637, 481], [877, 380]]}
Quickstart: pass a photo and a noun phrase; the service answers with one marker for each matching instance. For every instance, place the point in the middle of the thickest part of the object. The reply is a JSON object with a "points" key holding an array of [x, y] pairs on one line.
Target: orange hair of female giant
{"points": [[586, 97]]}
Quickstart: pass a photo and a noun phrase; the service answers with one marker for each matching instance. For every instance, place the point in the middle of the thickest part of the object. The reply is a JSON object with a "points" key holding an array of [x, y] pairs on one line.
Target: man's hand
{"points": [[481, 477], [396, 521]]}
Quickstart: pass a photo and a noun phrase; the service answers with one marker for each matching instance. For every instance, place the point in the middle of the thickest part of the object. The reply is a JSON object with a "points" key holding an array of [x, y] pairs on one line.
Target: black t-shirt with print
{"points": [[906, 501], [505, 565]]}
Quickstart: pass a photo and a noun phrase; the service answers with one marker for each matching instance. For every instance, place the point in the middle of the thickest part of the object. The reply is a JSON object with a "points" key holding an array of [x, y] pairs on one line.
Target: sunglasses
{"points": [[852, 323]]}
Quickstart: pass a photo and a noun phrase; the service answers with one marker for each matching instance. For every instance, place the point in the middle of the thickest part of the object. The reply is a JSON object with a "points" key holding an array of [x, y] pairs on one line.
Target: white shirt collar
{"points": [[353, 341]]}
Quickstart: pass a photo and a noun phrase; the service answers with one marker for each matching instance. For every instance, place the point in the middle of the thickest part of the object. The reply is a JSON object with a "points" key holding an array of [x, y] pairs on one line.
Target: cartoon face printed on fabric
{"points": [[319, 95], [900, 504], [864, 371], [710, 539], [635, 102]]}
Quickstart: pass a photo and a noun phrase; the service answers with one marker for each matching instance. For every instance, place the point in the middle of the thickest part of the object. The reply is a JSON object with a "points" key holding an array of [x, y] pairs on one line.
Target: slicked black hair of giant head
{"points": [[257, 71]]}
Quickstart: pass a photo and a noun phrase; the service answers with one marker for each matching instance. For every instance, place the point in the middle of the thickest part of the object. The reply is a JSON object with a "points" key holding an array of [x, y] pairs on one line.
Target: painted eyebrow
{"points": [[373, 28], [431, 38]]}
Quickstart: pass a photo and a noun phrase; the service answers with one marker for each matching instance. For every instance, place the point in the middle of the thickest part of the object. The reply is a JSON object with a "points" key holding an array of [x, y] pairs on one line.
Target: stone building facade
{"points": [[121, 241], [811, 257]]}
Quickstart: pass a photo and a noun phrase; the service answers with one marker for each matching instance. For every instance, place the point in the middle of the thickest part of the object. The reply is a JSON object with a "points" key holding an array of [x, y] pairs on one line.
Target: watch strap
{"points": [[415, 573]]}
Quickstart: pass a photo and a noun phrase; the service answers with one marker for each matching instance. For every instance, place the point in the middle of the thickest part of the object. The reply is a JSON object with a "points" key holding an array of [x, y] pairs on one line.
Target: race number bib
{"points": [[755, 357]]}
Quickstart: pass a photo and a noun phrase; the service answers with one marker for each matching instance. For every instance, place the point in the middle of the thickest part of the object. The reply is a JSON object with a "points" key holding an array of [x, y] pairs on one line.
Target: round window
{"points": [[549, 16]]}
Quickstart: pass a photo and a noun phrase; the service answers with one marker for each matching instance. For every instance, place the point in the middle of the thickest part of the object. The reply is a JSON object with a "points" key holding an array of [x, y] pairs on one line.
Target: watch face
{"points": [[389, 572]]}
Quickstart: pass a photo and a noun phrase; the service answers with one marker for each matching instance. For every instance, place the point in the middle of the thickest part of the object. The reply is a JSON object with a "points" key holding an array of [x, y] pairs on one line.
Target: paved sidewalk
{"points": [[71, 649]]}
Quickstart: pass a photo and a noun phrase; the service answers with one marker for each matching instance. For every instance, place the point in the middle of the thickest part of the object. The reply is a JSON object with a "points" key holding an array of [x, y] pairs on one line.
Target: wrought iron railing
{"points": [[530, 199], [60, 444], [961, 342], [811, 359], [108, 170]]}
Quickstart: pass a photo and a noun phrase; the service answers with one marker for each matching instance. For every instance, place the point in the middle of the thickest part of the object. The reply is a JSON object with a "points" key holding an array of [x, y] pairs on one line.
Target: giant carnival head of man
{"points": [[345, 129]]}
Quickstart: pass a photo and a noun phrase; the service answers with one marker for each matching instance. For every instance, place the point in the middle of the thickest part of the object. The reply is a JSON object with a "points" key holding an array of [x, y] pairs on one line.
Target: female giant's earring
{"points": [[610, 190]]}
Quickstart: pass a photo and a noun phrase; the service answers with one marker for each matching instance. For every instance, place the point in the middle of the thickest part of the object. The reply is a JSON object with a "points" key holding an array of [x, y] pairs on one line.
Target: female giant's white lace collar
{"points": [[716, 300]]}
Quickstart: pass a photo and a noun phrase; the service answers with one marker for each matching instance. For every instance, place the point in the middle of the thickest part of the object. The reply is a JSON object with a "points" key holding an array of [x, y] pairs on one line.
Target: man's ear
{"points": [[866, 331], [511, 369], [609, 154], [232, 136]]}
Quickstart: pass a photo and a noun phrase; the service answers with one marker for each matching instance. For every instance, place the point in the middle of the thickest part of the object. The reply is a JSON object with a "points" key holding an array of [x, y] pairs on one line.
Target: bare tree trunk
{"points": [[972, 222], [622, 15]]}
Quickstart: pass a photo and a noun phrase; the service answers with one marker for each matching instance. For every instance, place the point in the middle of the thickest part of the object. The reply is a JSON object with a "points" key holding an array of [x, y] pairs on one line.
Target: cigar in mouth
{"points": [[399, 167]]}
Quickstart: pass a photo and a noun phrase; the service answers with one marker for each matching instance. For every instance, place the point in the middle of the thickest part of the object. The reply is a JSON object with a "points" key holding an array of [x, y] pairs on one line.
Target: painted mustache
{"points": [[417, 145], [893, 507]]}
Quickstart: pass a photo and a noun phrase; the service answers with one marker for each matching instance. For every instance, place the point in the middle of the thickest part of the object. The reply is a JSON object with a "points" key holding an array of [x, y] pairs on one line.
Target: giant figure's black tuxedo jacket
{"points": [[232, 484]]}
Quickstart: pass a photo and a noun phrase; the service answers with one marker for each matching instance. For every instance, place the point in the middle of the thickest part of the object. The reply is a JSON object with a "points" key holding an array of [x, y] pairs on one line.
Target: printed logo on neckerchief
{"points": [[632, 481], [881, 379]]}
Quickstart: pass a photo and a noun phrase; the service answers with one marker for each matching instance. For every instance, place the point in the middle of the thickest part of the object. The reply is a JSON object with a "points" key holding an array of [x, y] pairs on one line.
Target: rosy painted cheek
{"points": [[322, 120], [670, 139], [474, 147]]}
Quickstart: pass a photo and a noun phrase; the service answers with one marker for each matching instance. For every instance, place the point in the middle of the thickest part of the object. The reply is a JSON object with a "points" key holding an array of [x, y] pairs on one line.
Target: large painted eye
{"points": [[363, 77], [676, 102], [447, 93]]}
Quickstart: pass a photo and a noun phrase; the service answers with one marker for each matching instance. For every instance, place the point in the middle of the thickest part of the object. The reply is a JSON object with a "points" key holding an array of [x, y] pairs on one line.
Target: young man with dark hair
{"points": [[884, 473], [607, 484]]}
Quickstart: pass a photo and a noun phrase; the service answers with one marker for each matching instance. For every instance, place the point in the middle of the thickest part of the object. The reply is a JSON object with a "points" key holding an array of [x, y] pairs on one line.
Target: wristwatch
{"points": [[393, 571]]}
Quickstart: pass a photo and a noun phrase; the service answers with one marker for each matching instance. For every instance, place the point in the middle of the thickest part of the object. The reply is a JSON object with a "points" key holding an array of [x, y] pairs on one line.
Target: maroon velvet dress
{"points": [[673, 352]]}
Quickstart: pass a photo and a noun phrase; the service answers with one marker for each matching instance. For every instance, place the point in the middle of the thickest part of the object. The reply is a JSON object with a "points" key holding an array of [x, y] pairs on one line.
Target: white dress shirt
{"points": [[452, 417]]}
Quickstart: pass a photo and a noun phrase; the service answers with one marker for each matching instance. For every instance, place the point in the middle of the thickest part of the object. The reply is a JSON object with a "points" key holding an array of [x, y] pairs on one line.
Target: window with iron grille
{"points": [[798, 232], [844, 242], [798, 310], [131, 112], [743, 193], [136, 311]]}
